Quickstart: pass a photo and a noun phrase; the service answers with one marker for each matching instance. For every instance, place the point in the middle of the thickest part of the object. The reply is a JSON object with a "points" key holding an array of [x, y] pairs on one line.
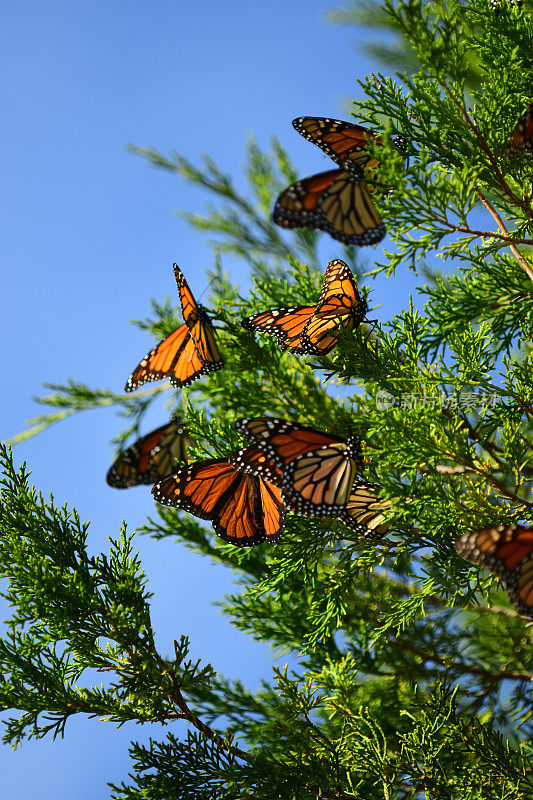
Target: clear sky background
{"points": [[88, 235]]}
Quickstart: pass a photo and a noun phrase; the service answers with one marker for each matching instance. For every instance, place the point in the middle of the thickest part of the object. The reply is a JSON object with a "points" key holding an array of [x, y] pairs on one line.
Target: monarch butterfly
{"points": [[254, 461], [244, 509], [495, 5], [187, 353], [317, 468], [508, 552], [337, 201], [363, 512], [151, 457], [344, 142], [521, 140], [311, 329]]}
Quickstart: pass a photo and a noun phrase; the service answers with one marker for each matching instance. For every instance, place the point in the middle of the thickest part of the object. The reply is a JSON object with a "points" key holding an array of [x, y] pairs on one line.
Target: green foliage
{"points": [[76, 397], [412, 673], [71, 613], [392, 49], [242, 223]]}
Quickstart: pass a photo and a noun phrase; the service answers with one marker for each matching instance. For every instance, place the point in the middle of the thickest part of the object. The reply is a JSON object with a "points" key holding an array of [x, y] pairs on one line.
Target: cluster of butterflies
{"points": [[309, 471], [339, 201], [288, 466]]}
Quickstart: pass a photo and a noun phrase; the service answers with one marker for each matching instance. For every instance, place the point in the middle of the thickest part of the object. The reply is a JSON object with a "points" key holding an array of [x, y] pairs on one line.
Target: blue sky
{"points": [[88, 235]]}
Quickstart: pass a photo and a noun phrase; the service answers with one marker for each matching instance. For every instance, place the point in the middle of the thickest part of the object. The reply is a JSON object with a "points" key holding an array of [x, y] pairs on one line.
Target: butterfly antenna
{"points": [[370, 333], [209, 284]]}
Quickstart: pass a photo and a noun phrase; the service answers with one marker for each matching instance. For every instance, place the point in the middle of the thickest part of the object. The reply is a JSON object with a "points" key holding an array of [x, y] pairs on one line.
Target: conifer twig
{"points": [[460, 666], [486, 149], [523, 263], [504, 236], [189, 715]]}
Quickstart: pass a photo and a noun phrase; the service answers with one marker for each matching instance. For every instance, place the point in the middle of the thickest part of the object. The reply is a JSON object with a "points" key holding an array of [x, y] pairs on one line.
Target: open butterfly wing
{"points": [[175, 358], [363, 512], [508, 552], [340, 304], [189, 306], [244, 509], [203, 338], [285, 324], [133, 467], [342, 141], [280, 440], [339, 280], [187, 353], [171, 448], [150, 457], [311, 329], [319, 483], [162, 361], [318, 469], [199, 325], [348, 211], [337, 202], [299, 205], [319, 336], [254, 461]]}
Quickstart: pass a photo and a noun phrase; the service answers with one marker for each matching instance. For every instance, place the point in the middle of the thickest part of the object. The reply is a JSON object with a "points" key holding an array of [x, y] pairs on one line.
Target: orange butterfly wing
{"points": [[521, 140], [338, 280], [150, 457], [337, 202], [319, 336], [363, 512], [254, 461], [318, 468], [285, 324], [187, 353], [199, 325], [165, 360], [508, 552], [310, 329], [342, 141], [340, 304], [244, 510]]}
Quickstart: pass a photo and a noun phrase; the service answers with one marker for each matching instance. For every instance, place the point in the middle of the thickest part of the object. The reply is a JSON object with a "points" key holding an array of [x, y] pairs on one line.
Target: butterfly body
{"points": [[311, 329], [362, 512], [151, 457], [336, 202], [243, 508], [318, 469], [508, 552], [187, 353]]}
